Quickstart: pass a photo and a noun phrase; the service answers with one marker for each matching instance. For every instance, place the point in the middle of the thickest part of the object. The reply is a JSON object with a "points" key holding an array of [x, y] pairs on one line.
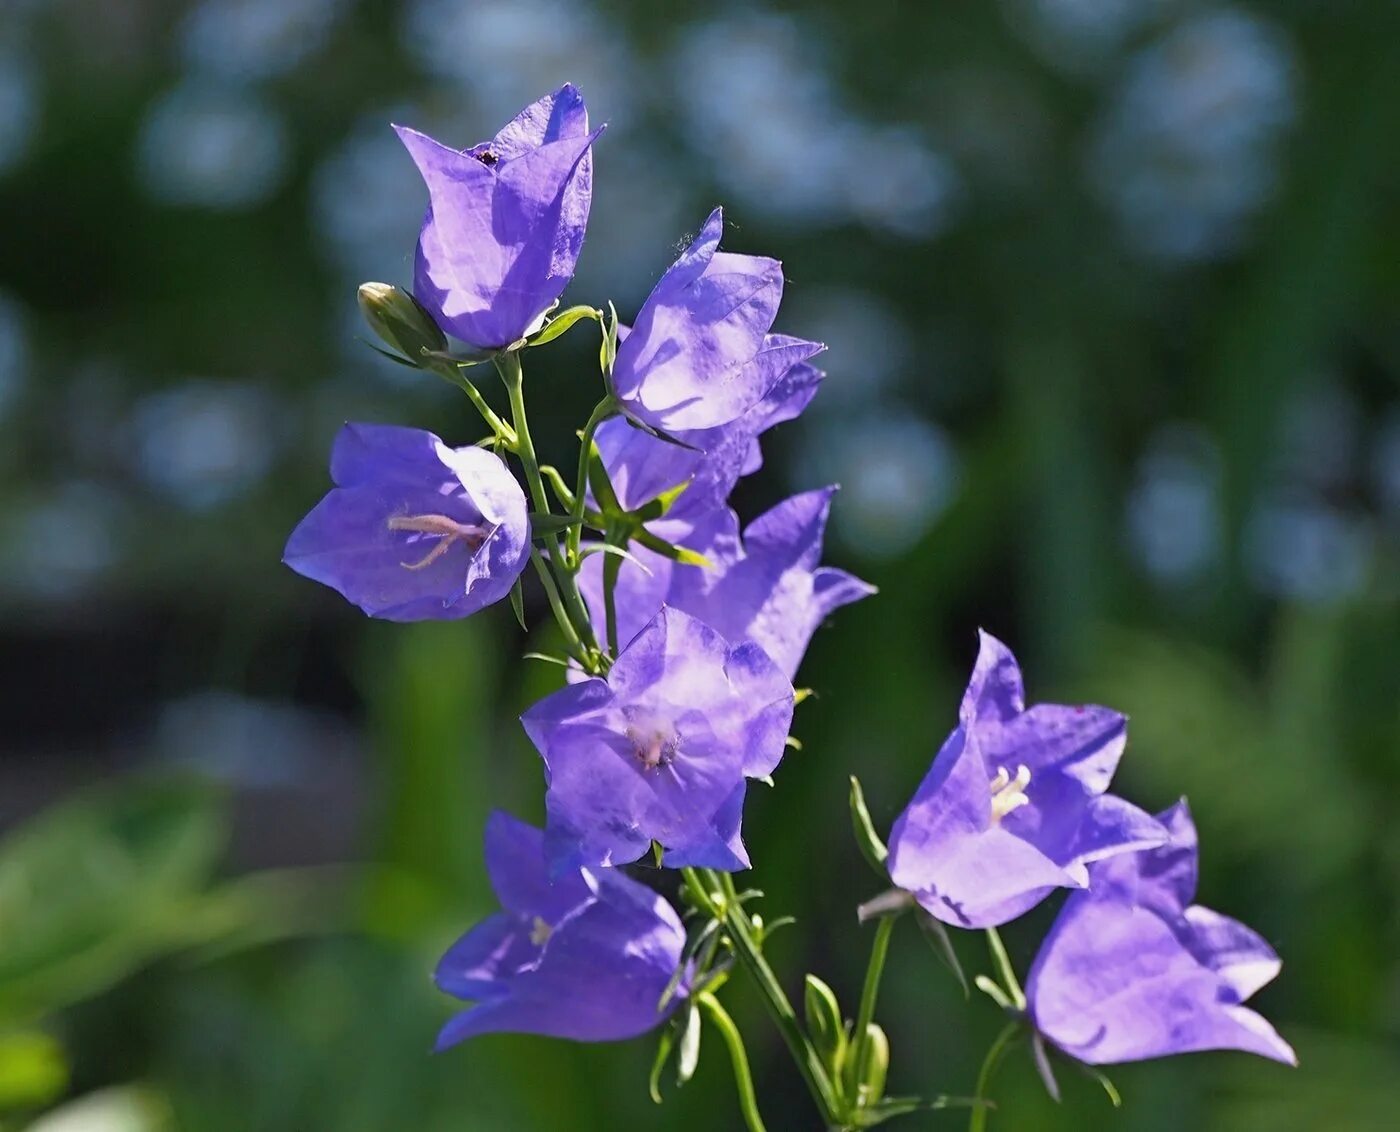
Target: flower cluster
{"points": [[683, 633]]}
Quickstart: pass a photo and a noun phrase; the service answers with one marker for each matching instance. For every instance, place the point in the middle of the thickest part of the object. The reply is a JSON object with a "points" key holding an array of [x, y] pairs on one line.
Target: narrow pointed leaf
{"points": [[867, 840], [562, 321], [620, 552], [668, 550], [658, 1064], [942, 944], [688, 1058]]}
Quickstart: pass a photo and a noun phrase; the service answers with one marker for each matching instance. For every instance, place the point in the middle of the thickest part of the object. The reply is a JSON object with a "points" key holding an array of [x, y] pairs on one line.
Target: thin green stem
{"points": [[566, 626], [508, 364], [601, 412], [738, 1057], [977, 1122], [452, 373], [1005, 970], [874, 970], [612, 566], [809, 1062]]}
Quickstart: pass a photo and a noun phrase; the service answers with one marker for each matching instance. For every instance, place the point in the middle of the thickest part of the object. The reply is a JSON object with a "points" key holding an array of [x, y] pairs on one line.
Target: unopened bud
{"points": [[875, 1064], [400, 320]]}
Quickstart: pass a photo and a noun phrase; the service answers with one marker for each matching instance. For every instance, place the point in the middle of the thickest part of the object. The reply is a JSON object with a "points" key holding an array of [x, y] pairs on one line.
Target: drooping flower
{"points": [[686, 362], [505, 221], [660, 748], [1132, 969], [1014, 805], [642, 467], [414, 530], [768, 587], [585, 955]]}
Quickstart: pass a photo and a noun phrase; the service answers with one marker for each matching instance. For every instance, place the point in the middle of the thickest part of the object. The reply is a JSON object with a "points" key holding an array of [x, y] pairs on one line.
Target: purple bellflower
{"points": [[1015, 804], [768, 588], [505, 221], [642, 467], [414, 530], [659, 750], [1132, 969], [585, 955], [693, 357]]}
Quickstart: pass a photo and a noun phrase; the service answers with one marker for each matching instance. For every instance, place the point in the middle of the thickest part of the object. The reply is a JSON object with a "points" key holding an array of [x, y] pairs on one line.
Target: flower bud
{"points": [[874, 1065], [400, 320], [824, 1022]]}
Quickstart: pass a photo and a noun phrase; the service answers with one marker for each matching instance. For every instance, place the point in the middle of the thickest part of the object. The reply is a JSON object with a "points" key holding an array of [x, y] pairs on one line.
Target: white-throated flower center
{"points": [[1009, 793], [540, 932], [447, 531], [652, 747]]}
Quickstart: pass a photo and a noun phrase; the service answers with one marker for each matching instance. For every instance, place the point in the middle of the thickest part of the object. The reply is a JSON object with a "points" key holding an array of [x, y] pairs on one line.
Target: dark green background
{"points": [[1133, 265]]}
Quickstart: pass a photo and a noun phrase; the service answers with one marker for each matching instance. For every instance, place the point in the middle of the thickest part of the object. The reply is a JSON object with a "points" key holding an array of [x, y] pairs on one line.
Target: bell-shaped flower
{"points": [[768, 588], [1015, 804], [505, 221], [686, 362], [585, 955], [414, 530], [1132, 969], [642, 467], [659, 749]]}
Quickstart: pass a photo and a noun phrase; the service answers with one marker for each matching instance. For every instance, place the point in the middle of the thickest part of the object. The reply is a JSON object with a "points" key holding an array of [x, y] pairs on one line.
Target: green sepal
{"points": [[663, 503], [652, 431], [561, 322], [460, 361], [1094, 1073], [867, 840], [942, 944], [658, 1064], [559, 660], [601, 483], [542, 525], [824, 1024], [669, 550], [688, 1055], [890, 1107], [517, 604], [607, 352], [801, 695], [393, 357], [617, 551]]}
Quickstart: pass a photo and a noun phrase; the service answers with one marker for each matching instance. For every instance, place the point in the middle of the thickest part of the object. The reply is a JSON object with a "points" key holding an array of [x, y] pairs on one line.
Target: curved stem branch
{"points": [[977, 1122], [738, 1057], [601, 412], [1005, 970]]}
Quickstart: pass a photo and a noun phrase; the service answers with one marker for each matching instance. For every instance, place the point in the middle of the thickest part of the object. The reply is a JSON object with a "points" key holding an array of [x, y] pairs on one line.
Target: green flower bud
{"points": [[875, 1065], [824, 1022], [400, 320]]}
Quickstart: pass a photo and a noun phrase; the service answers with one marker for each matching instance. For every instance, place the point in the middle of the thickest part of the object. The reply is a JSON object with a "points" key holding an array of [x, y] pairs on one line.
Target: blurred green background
{"points": [[1111, 291]]}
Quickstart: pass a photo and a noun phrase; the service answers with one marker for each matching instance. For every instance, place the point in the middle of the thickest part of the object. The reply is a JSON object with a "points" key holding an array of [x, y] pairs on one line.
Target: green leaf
{"points": [[658, 1064], [542, 525], [688, 1057], [867, 840], [98, 886], [562, 321], [942, 944], [33, 1070], [875, 1065], [517, 604], [662, 504]]}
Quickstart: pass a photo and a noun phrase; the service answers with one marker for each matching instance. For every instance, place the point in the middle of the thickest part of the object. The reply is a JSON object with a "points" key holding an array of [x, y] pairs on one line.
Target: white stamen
{"points": [[1009, 793], [448, 531]]}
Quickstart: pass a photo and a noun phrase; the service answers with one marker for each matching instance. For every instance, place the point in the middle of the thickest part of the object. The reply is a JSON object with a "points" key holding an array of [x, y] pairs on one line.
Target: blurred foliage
{"points": [[1111, 296]]}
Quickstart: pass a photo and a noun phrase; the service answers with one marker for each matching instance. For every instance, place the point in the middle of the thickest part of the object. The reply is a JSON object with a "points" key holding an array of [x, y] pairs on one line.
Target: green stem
{"points": [[978, 1120], [508, 364], [612, 566], [566, 626], [601, 412], [1005, 970], [450, 372], [743, 1079], [809, 1062], [879, 949]]}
